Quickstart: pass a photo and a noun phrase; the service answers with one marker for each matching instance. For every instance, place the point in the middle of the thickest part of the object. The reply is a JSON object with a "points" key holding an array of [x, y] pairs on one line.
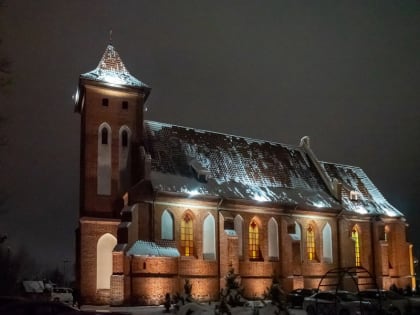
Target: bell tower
{"points": [[111, 104]]}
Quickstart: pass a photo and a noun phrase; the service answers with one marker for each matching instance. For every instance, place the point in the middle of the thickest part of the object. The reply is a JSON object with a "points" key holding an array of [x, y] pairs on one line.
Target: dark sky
{"points": [[345, 73]]}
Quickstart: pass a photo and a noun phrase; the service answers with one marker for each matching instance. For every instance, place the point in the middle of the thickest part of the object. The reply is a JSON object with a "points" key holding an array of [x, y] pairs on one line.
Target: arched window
{"points": [[356, 238], [105, 246], [238, 223], [167, 226], [124, 138], [124, 158], [104, 160], [273, 239], [104, 136], [386, 230], [209, 239], [254, 241], [310, 243], [327, 244], [387, 236], [187, 239]]}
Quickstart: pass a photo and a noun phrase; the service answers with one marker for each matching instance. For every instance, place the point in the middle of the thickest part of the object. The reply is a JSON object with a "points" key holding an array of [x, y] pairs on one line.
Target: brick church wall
{"points": [[91, 230]]}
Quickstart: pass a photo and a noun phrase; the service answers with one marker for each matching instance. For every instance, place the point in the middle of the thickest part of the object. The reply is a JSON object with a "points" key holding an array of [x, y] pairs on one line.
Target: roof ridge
{"points": [[290, 146]]}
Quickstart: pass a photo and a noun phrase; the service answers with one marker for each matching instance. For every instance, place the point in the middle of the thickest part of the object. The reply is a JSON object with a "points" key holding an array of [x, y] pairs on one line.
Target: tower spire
{"points": [[110, 36]]}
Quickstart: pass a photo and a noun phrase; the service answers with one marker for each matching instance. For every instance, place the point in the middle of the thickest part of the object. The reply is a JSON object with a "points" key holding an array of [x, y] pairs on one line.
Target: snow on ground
{"points": [[198, 309]]}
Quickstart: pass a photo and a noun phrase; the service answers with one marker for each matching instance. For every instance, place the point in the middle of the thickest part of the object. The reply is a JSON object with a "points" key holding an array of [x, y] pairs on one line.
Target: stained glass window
{"points": [[254, 242], [187, 240], [310, 243], [355, 237]]}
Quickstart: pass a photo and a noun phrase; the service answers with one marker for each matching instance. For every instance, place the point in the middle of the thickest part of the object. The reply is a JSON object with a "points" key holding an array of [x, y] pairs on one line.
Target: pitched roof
{"points": [[194, 161], [111, 69], [369, 198]]}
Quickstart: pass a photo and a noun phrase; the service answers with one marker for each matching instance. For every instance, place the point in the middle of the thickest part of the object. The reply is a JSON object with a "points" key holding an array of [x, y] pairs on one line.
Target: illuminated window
{"points": [[386, 236], [356, 239], [254, 241], [187, 241], [310, 243]]}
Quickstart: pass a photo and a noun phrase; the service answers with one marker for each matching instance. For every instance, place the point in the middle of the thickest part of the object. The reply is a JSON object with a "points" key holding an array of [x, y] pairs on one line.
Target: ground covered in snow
{"points": [[198, 309]]}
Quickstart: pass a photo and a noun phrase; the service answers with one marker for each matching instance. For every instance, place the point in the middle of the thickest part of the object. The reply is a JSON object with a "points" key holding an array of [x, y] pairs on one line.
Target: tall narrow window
{"points": [[209, 239], [327, 244], [104, 136], [390, 246], [386, 230], [238, 223], [104, 160], [124, 138], [356, 239], [187, 241], [124, 164], [310, 242], [167, 226], [124, 105], [104, 102], [273, 239], [254, 241]]}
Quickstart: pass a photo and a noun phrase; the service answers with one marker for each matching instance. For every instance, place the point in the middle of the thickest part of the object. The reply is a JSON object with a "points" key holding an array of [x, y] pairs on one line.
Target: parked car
{"points": [[62, 295], [337, 302], [389, 301], [35, 307], [295, 297]]}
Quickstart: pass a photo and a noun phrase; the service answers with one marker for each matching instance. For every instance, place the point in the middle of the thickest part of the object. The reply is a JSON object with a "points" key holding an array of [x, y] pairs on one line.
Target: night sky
{"points": [[344, 73]]}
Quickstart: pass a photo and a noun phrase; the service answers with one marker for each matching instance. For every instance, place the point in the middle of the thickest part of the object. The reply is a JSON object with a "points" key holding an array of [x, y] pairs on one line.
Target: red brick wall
{"points": [[90, 232], [93, 115]]}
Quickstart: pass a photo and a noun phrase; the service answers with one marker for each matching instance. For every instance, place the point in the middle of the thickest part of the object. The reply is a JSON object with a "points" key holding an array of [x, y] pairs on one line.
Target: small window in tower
{"points": [[104, 102], [124, 105], [124, 139], [104, 136]]}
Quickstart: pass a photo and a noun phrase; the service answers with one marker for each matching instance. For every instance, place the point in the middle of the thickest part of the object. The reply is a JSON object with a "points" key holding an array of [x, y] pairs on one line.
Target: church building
{"points": [[161, 204]]}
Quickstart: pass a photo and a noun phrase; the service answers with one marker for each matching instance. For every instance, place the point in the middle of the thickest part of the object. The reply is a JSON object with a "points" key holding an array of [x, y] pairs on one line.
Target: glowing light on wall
{"points": [[390, 213], [105, 245], [193, 192]]}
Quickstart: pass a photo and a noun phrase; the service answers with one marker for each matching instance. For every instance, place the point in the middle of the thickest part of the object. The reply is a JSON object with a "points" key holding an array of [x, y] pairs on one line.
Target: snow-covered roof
{"points": [[33, 286], [367, 199], [111, 69], [145, 248], [249, 169]]}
